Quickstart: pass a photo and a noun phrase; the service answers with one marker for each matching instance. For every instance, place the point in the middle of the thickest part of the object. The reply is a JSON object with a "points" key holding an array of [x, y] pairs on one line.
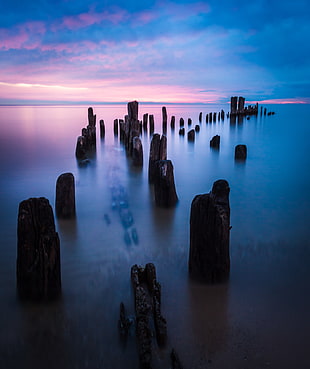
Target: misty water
{"points": [[258, 319]]}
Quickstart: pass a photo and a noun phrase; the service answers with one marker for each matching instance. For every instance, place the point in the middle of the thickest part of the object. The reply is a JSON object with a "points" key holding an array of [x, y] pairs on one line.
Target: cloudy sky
{"points": [[160, 51]]}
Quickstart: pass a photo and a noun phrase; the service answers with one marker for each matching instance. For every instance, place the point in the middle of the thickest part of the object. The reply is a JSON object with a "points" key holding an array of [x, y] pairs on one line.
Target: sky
{"points": [[75, 51]]}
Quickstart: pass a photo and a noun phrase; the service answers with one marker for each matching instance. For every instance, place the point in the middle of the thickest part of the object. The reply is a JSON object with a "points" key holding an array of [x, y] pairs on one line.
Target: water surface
{"points": [[259, 319]]}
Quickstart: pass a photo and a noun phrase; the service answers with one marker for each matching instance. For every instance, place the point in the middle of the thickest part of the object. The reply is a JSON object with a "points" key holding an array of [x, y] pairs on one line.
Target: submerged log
{"points": [[165, 193], [209, 259], [240, 152], [215, 142], [65, 196], [38, 251]]}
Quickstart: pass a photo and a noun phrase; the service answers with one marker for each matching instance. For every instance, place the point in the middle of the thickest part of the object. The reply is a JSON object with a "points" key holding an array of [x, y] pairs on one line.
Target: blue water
{"points": [[258, 319]]}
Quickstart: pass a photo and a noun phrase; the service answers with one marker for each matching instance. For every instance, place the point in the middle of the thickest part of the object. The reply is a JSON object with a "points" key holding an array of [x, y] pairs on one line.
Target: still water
{"points": [[259, 319]]}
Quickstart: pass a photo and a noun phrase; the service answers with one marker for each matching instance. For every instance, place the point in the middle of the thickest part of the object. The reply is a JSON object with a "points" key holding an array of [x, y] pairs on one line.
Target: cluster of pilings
{"points": [[87, 141], [149, 321], [38, 272], [161, 172]]}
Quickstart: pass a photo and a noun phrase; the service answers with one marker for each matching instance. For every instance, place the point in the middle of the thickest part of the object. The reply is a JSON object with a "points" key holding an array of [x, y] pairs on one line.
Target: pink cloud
{"points": [[87, 19]]}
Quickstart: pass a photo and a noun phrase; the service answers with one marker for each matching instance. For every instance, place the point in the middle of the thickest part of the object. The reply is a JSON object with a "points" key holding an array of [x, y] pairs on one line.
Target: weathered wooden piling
{"points": [[172, 123], [200, 117], [102, 128], [240, 152], [209, 259], [233, 104], [191, 135], [115, 127], [151, 121], [215, 142], [145, 120], [164, 114], [91, 117], [189, 122], [214, 117], [80, 150], [181, 122], [182, 131], [65, 196], [197, 128], [158, 151], [137, 152], [207, 118], [165, 192], [38, 251]]}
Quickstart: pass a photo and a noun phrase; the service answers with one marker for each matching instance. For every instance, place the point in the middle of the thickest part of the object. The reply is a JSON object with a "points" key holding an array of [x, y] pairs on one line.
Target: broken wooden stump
{"points": [[182, 131], [240, 152], [165, 192], [197, 128], [181, 122], [38, 251], [209, 259], [215, 142], [172, 123], [200, 117], [65, 196]]}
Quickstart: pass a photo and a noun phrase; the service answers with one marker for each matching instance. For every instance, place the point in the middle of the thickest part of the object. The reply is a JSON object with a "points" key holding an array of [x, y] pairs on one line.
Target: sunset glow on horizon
{"points": [[153, 51]]}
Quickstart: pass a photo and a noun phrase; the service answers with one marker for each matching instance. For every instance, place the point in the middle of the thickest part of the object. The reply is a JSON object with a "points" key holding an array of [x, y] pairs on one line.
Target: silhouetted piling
{"points": [[102, 128], [38, 251], [65, 196], [240, 152], [209, 259], [215, 142], [165, 193]]}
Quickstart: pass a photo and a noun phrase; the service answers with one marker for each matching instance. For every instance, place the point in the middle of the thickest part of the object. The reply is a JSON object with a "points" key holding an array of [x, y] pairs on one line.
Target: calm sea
{"points": [[259, 319]]}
